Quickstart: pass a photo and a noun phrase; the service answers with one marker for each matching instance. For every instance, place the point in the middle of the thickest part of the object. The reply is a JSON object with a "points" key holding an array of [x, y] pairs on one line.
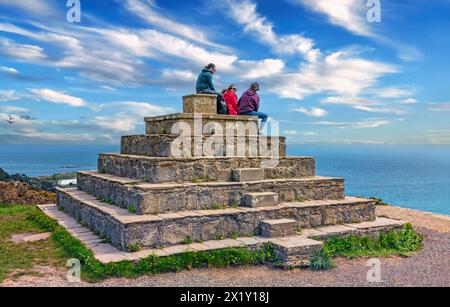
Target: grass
{"points": [[21, 259], [63, 246], [134, 247], [104, 200], [216, 207], [131, 209], [188, 240], [403, 243]]}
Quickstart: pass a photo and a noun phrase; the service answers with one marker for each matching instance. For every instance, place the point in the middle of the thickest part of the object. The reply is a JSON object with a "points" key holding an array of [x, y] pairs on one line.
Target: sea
{"points": [[410, 176]]}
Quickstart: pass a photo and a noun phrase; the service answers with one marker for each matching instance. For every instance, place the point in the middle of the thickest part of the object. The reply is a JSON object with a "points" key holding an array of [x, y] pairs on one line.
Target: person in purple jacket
{"points": [[249, 104]]}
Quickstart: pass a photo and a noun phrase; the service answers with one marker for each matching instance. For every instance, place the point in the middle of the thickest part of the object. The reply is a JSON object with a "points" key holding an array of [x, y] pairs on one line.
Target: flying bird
{"points": [[11, 120]]}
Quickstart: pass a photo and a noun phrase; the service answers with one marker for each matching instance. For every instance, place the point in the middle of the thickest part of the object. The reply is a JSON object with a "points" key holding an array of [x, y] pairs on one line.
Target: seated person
{"points": [[205, 85], [249, 104], [231, 100]]}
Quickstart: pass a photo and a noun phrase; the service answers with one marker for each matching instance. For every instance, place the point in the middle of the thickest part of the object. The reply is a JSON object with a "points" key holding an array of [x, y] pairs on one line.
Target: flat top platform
{"points": [[190, 116], [198, 158]]}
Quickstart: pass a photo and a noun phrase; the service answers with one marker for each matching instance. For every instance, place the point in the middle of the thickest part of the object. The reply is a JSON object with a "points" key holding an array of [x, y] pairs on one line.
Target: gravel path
{"points": [[430, 267]]}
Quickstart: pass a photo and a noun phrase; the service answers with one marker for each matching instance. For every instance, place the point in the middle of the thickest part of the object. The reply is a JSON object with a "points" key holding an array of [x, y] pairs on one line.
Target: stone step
{"points": [[158, 170], [201, 124], [150, 198], [278, 228], [295, 251], [165, 145], [248, 174], [263, 199], [123, 228], [284, 247]]}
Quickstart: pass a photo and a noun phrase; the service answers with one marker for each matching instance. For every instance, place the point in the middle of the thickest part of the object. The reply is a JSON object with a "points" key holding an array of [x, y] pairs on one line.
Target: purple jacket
{"points": [[249, 102]]}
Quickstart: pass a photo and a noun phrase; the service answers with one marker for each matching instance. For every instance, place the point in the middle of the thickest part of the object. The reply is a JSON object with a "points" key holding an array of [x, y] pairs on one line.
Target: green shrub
{"points": [[322, 261], [400, 242], [187, 240]]}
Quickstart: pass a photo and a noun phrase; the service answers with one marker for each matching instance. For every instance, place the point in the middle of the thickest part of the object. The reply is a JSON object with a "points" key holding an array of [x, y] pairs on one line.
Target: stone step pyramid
{"points": [[190, 177]]}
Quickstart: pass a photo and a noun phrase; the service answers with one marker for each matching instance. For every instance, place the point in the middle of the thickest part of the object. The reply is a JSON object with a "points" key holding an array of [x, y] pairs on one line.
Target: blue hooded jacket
{"points": [[205, 81]]}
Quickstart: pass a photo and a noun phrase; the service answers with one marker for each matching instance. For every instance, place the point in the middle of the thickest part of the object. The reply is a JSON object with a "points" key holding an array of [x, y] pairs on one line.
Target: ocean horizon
{"points": [[410, 176]]}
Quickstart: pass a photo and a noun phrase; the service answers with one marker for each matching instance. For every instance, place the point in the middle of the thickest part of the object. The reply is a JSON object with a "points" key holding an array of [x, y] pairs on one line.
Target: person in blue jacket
{"points": [[205, 84]]}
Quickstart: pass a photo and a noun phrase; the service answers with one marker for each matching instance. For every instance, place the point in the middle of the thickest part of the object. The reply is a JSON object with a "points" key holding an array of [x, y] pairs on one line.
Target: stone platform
{"points": [[158, 170], [165, 124], [293, 251], [153, 145], [148, 198]]}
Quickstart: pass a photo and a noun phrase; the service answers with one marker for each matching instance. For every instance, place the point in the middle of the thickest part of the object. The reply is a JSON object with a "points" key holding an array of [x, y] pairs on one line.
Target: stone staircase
{"points": [[148, 197]]}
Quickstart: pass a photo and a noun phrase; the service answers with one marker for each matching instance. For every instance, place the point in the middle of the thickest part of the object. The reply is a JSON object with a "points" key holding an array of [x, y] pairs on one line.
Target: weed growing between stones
{"points": [[134, 247], [131, 209], [187, 240], [104, 200], [216, 207], [403, 242]]}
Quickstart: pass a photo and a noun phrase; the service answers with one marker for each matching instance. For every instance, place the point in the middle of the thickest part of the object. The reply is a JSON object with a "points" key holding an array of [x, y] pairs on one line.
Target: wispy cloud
{"points": [[245, 13], [366, 124], [440, 107], [148, 11], [9, 95], [313, 112], [57, 97], [352, 16]]}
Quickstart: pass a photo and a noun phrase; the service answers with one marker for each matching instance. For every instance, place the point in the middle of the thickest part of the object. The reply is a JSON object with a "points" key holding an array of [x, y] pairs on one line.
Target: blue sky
{"points": [[326, 73]]}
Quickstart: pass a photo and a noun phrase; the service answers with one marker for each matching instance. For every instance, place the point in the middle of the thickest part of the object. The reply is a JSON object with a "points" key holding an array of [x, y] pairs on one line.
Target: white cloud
{"points": [[291, 132], [155, 44], [8, 96], [21, 51], [57, 97], [310, 133], [35, 7], [370, 123], [394, 92], [9, 70], [409, 101], [184, 75], [437, 137], [351, 101], [11, 109], [139, 109], [440, 107], [261, 69], [148, 12], [120, 123], [341, 73], [352, 16], [245, 13], [390, 110], [313, 112], [348, 14]]}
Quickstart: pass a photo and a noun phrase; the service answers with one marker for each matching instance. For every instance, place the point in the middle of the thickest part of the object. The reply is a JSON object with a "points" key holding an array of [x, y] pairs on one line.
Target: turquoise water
{"points": [[416, 177]]}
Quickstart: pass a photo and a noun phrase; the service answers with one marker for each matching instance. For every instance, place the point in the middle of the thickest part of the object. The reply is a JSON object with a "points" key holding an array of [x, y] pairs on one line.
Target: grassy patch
{"points": [[403, 243], [20, 259], [187, 240], [93, 270]]}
